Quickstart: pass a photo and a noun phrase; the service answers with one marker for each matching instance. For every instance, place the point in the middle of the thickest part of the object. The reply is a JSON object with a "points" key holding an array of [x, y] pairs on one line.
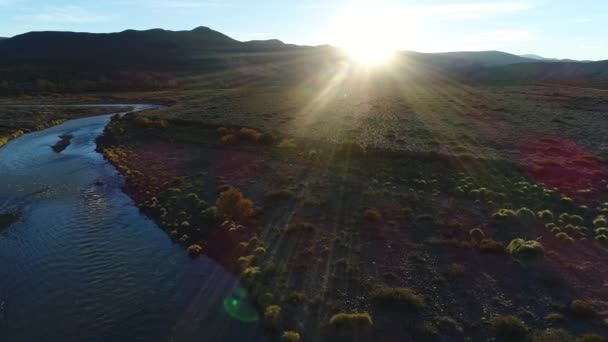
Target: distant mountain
{"points": [[153, 59], [129, 47], [466, 59], [545, 59], [545, 71]]}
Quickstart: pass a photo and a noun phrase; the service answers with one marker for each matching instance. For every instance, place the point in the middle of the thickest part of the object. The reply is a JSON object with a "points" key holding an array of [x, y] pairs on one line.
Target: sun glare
{"points": [[370, 34], [370, 56]]}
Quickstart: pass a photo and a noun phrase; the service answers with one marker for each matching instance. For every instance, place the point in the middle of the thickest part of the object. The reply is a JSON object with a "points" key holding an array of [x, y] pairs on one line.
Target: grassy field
{"points": [[364, 211]]}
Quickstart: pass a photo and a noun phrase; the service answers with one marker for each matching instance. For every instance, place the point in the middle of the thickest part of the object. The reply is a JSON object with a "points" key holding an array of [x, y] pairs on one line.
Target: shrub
{"points": [[509, 327], [272, 316], [593, 338], [564, 237], [372, 215], [525, 214], [223, 130], [210, 214], [600, 221], [554, 317], [601, 231], [229, 139], [401, 297], [296, 298], [231, 204], [351, 321], [503, 214], [582, 309], [602, 238], [290, 336], [523, 250], [491, 246], [287, 143], [142, 120], [476, 233], [546, 215], [249, 134], [449, 323], [553, 335], [259, 251], [195, 249]]}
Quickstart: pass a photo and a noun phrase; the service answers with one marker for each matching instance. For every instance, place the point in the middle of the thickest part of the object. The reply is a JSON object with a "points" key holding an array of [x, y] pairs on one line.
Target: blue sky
{"points": [[564, 29]]}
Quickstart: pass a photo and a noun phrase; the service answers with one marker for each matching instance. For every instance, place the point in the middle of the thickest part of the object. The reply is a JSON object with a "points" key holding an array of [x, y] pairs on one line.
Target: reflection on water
{"points": [[82, 264]]}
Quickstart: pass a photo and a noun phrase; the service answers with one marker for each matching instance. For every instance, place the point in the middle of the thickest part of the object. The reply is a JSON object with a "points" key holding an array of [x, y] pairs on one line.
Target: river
{"points": [[83, 264]]}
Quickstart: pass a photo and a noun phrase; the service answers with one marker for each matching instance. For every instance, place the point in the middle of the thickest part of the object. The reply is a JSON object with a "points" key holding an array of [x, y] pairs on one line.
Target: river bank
{"points": [[16, 121]]}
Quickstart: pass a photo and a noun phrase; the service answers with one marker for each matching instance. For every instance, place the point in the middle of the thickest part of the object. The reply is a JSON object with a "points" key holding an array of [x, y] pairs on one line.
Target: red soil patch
{"points": [[562, 164]]}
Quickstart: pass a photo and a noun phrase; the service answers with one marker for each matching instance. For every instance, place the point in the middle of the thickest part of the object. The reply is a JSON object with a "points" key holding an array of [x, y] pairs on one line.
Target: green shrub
{"points": [[545, 215], [259, 251], [525, 214], [582, 309], [351, 321], [272, 316], [401, 297], [600, 221], [509, 327], [564, 237], [195, 249], [602, 238], [601, 230], [290, 336], [523, 250], [503, 214]]}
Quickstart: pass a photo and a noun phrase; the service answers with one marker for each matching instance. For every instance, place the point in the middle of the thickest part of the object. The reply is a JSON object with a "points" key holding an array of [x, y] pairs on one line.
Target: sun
{"points": [[370, 34], [370, 56]]}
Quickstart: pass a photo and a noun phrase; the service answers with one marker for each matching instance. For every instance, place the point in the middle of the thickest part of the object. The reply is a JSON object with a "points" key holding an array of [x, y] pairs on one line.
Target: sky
{"points": [[561, 29]]}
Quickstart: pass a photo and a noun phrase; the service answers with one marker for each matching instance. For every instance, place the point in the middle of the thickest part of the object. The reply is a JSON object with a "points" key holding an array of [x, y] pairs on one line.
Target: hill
{"points": [[466, 59], [159, 59], [126, 48], [545, 71]]}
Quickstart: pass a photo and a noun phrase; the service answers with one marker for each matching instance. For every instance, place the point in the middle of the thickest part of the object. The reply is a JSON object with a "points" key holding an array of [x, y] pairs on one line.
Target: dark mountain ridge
{"points": [[157, 58], [155, 46]]}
